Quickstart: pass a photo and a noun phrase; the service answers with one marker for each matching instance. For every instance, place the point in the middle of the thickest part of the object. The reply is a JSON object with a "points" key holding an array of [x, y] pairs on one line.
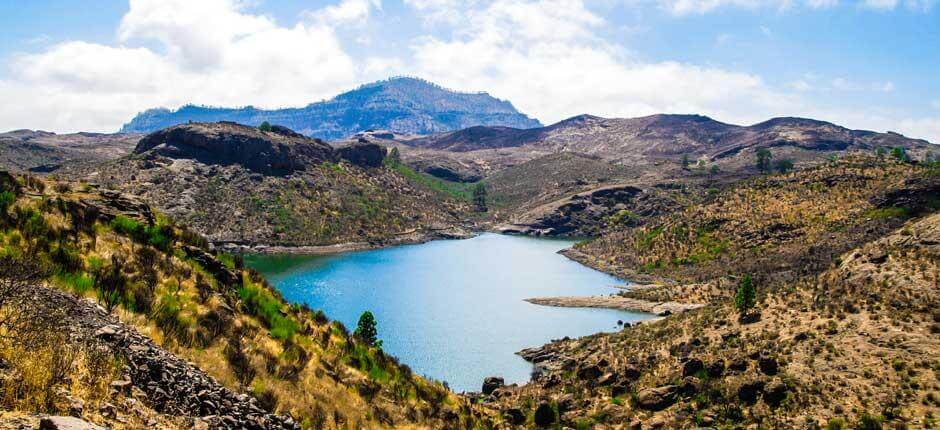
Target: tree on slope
{"points": [[763, 159], [479, 197], [366, 330], [745, 297]]}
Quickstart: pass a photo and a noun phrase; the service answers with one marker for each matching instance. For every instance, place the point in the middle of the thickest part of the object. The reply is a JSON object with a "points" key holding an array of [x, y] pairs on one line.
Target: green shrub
{"points": [[265, 306], [78, 282]]}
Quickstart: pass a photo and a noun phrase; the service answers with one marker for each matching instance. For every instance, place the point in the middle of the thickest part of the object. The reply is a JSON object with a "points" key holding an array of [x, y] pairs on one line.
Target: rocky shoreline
{"points": [[405, 238]]}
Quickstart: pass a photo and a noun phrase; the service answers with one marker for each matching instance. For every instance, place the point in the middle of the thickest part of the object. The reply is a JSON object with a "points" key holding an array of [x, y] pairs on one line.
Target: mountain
{"points": [[403, 105], [241, 186], [666, 136], [44, 152]]}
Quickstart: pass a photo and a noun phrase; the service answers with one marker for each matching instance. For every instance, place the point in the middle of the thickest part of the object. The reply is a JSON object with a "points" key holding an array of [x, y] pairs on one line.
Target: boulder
{"points": [[544, 415], [768, 365], [491, 383], [716, 368], [66, 423], [589, 373], [657, 399], [750, 391], [775, 393], [363, 154], [514, 416], [738, 365], [693, 366]]}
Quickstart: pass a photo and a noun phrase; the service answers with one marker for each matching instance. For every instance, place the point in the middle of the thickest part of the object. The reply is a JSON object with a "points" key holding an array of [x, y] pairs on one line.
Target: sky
{"points": [[73, 65]]}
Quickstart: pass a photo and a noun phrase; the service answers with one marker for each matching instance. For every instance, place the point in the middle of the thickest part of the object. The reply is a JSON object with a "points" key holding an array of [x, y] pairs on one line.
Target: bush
{"points": [[265, 306], [265, 126], [111, 284], [78, 282], [745, 296]]}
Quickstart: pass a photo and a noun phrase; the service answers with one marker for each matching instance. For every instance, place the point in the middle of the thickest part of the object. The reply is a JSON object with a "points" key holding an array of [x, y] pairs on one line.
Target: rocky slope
{"points": [[242, 186], [404, 105], [181, 336], [45, 152], [844, 332]]}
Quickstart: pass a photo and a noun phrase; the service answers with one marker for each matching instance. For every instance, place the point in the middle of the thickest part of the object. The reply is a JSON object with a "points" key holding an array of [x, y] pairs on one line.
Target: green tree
{"points": [[111, 283], [763, 159], [685, 161], [900, 154], [746, 296], [366, 330], [714, 170], [265, 126], [394, 156], [784, 166], [479, 197], [880, 152]]}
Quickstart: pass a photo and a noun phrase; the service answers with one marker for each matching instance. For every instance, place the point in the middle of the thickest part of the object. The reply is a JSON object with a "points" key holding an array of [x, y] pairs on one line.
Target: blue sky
{"points": [[864, 64]]}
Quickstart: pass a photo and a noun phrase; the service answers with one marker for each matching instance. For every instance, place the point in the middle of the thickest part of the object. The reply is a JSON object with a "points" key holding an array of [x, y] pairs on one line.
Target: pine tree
{"points": [[685, 161], [746, 296], [394, 157], [763, 159], [366, 330], [265, 126], [479, 197]]}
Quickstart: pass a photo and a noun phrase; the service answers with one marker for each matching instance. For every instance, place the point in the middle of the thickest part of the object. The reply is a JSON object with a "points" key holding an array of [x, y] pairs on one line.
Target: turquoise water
{"points": [[453, 310]]}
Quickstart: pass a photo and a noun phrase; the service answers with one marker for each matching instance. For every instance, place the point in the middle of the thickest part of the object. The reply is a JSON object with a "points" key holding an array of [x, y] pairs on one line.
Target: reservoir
{"points": [[453, 310]]}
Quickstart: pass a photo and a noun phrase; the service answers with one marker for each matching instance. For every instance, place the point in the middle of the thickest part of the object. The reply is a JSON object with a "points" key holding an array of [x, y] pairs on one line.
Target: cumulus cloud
{"points": [[549, 57], [211, 51], [545, 56]]}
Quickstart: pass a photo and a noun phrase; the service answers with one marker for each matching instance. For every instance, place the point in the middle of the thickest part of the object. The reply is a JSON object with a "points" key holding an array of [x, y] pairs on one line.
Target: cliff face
{"points": [[403, 105]]}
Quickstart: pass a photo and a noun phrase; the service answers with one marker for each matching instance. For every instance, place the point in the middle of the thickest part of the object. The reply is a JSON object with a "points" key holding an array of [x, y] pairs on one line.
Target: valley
{"points": [[214, 272]]}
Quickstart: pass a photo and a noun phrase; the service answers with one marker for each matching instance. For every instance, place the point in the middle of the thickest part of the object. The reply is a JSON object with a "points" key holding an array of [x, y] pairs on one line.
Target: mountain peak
{"points": [[405, 105]]}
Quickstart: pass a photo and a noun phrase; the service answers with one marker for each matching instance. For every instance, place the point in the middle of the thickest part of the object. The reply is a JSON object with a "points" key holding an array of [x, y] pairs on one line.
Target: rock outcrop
{"points": [[277, 152]]}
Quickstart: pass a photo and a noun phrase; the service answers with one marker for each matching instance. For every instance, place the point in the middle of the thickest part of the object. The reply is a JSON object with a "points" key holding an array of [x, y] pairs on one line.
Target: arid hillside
{"points": [[243, 186], [821, 311], [113, 313]]}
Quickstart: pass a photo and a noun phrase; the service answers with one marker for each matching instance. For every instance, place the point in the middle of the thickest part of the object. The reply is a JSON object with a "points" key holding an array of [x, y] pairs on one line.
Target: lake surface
{"points": [[453, 310]]}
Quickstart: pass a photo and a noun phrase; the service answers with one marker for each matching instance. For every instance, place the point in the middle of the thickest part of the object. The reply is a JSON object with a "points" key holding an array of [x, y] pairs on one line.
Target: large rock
{"points": [[363, 154], [544, 415], [227, 143], [66, 423], [657, 399], [491, 383], [693, 366]]}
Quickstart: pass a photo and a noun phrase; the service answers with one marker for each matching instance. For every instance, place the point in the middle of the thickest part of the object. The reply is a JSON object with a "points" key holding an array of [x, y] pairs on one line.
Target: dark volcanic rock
{"points": [[775, 393], [657, 399], [363, 154], [225, 143], [750, 391], [693, 366], [768, 365], [491, 383], [514, 416], [544, 415]]}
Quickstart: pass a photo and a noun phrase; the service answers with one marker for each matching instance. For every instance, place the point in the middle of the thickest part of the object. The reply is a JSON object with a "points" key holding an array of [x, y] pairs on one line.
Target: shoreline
{"points": [[661, 309], [405, 238]]}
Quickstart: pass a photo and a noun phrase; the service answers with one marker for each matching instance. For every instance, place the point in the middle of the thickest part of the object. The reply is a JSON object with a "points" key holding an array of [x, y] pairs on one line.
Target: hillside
{"points": [[46, 152], [403, 105], [843, 333], [115, 314], [245, 187]]}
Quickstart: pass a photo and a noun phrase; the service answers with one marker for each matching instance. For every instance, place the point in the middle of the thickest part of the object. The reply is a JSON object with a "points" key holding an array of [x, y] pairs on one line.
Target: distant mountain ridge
{"points": [[403, 105], [666, 136]]}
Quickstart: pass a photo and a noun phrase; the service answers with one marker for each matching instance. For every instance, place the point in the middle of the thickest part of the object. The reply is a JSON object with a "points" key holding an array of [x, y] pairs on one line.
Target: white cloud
{"points": [[546, 57], [347, 12], [211, 51], [686, 7], [885, 5]]}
